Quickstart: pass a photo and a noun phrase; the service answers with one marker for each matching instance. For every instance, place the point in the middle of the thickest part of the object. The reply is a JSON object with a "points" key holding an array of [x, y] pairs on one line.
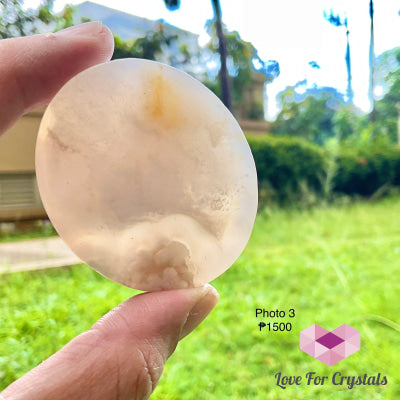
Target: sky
{"points": [[290, 31]]}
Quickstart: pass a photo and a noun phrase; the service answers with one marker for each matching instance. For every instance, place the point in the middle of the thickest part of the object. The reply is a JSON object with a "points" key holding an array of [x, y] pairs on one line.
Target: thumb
{"points": [[123, 355]]}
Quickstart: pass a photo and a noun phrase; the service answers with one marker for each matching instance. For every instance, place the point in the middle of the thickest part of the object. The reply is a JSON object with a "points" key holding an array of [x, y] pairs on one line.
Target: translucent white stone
{"points": [[146, 175]]}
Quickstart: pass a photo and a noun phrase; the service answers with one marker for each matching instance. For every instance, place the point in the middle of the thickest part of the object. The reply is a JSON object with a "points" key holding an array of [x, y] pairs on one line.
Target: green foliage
{"points": [[387, 72], [241, 58], [148, 46], [66, 18], [308, 113], [320, 113], [15, 21], [365, 171], [40, 229], [333, 265], [293, 170], [152, 46], [286, 166], [346, 122], [240, 55]]}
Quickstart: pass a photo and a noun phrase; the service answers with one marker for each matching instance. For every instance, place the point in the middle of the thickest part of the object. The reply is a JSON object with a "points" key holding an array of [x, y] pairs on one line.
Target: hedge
{"points": [[286, 165], [365, 171]]}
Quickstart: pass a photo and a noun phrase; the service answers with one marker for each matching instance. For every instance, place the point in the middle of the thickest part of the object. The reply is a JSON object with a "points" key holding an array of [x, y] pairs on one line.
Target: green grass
{"points": [[37, 229], [332, 265]]}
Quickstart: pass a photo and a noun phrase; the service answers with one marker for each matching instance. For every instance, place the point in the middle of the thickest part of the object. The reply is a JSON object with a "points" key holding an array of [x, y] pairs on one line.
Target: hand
{"points": [[122, 355]]}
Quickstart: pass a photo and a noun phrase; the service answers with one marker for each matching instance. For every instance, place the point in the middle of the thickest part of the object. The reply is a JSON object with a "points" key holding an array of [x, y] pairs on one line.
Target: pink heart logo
{"points": [[330, 347]]}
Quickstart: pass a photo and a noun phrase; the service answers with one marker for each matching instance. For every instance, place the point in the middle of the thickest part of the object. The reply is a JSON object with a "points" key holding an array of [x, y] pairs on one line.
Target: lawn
{"points": [[332, 265]]}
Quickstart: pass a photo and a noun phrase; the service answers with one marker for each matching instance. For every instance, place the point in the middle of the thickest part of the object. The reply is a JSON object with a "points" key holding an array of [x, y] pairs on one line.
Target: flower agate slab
{"points": [[146, 175]]}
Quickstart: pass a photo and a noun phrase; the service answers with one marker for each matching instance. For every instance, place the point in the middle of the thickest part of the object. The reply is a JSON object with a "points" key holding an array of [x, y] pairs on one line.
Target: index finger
{"points": [[34, 68]]}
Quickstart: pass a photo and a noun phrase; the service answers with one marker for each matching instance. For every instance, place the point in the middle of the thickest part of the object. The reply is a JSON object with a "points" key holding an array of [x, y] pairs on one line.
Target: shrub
{"points": [[367, 170], [292, 169], [286, 166]]}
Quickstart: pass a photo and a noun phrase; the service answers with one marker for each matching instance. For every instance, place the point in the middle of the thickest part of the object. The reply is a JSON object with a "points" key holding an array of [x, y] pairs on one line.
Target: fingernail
{"points": [[200, 310], [88, 28]]}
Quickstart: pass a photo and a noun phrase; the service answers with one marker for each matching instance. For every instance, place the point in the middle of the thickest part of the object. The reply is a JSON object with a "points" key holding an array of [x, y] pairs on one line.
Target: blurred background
{"points": [[315, 86]]}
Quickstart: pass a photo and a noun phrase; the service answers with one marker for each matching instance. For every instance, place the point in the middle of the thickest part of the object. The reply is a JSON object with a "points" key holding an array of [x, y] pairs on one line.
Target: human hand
{"points": [[122, 355]]}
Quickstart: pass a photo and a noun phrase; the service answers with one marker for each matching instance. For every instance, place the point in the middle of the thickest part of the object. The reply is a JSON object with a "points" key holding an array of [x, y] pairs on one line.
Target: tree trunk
{"points": [[223, 72], [371, 63], [350, 93]]}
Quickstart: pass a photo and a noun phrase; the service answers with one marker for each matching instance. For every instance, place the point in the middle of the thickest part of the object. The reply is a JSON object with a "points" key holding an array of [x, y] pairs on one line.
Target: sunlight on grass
{"points": [[332, 265]]}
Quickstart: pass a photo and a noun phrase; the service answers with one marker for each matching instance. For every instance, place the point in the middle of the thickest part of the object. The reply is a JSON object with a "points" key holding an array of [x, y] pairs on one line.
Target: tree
{"points": [[16, 21], [387, 77], [223, 72], [242, 58], [153, 46], [371, 61], [335, 20], [308, 113]]}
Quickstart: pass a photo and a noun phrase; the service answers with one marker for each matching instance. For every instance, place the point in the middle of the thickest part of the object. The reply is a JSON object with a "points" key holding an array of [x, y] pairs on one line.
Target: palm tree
{"points": [[371, 62], [335, 20], [349, 91], [223, 72]]}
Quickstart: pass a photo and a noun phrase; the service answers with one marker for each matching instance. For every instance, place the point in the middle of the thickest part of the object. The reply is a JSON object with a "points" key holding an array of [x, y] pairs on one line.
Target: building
{"points": [[19, 194]]}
